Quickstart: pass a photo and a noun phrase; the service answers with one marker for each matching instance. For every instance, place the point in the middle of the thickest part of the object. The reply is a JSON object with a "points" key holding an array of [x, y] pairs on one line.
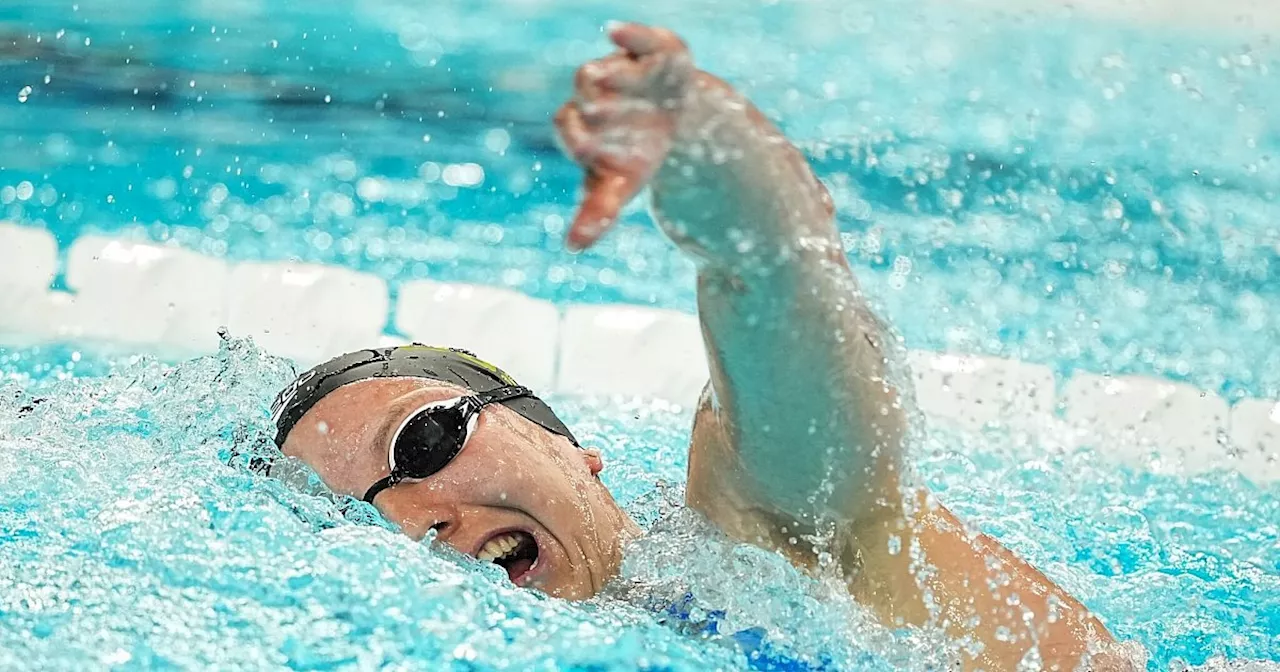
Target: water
{"points": [[1106, 201], [127, 538]]}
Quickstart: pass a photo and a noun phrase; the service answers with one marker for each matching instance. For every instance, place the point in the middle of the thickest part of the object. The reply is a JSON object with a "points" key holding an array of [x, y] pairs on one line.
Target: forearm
{"points": [[797, 358]]}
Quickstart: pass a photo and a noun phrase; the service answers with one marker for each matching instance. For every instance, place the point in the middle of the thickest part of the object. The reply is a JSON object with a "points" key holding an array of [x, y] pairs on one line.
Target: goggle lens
{"points": [[429, 441]]}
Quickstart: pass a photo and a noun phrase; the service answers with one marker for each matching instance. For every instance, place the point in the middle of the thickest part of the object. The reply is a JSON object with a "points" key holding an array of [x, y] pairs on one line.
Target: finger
{"points": [[640, 40], [626, 76], [607, 192], [576, 140], [615, 110], [586, 79], [610, 74]]}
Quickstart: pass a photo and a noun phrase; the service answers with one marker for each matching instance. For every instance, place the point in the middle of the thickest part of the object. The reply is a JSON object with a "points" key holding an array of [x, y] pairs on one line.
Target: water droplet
{"points": [[23, 94], [497, 140]]}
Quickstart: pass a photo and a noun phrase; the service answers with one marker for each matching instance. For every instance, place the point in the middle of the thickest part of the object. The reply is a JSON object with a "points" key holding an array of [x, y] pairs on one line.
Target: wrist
{"points": [[735, 194]]}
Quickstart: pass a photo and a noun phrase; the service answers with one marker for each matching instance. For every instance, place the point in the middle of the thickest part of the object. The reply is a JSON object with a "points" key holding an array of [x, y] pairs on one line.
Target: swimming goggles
{"points": [[433, 435]]}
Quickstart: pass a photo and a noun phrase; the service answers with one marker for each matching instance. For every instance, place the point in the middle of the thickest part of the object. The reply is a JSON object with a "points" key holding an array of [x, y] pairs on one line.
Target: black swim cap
{"points": [[448, 365]]}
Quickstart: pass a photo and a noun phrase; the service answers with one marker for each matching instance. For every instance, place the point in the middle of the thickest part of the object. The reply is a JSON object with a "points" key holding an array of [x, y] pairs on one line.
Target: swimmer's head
{"points": [[482, 461]]}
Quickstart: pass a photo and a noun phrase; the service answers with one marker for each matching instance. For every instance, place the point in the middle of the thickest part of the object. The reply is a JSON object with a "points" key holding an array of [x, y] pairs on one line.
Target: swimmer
{"points": [[799, 432]]}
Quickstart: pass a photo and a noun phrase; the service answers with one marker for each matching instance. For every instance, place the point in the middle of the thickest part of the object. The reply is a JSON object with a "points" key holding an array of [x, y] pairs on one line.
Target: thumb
{"points": [[607, 192]]}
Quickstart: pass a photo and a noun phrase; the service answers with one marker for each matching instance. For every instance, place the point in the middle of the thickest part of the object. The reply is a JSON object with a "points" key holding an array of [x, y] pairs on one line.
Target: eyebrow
{"points": [[394, 416]]}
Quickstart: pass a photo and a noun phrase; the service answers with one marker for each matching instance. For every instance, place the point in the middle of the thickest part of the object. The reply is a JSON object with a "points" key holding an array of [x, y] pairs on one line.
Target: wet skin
{"points": [[512, 476], [808, 439]]}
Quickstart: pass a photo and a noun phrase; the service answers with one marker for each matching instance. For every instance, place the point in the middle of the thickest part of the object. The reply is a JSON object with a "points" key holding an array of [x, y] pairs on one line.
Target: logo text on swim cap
{"points": [[287, 395]]}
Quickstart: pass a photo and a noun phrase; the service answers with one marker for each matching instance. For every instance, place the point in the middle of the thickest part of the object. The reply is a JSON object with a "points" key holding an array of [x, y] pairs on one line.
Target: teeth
{"points": [[498, 547]]}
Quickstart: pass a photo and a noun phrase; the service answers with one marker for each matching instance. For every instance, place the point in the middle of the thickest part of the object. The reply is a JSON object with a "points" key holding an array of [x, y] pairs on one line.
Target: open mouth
{"points": [[515, 551]]}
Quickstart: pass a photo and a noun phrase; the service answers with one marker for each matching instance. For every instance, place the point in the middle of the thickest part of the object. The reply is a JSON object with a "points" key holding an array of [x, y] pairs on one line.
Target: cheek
{"points": [[494, 479], [515, 459], [509, 480], [345, 444]]}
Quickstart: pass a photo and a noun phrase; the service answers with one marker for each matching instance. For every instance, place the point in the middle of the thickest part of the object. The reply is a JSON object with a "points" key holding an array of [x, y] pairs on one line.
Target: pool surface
{"points": [[1105, 202], [127, 540]]}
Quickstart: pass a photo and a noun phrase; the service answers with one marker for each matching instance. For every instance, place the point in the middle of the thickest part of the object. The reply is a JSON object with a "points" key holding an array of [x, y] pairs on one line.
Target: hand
{"points": [[622, 121]]}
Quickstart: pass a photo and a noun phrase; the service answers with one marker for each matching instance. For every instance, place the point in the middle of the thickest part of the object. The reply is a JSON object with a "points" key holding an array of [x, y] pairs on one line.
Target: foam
{"points": [[171, 302], [1249, 17], [28, 257]]}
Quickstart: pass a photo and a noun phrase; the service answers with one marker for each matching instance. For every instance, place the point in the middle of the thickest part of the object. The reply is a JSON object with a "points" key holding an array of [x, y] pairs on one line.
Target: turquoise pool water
{"points": [[126, 540], [1106, 201]]}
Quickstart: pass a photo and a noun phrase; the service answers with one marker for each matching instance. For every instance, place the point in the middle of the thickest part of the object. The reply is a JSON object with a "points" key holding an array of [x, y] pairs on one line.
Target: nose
{"points": [[443, 523], [453, 526], [419, 511], [448, 531], [421, 520]]}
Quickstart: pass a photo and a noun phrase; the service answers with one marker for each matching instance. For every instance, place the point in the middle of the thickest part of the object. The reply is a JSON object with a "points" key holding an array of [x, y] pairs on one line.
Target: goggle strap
{"points": [[379, 487]]}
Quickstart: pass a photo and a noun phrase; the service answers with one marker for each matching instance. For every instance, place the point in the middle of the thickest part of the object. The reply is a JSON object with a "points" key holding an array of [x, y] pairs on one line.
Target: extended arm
{"points": [[798, 368], [801, 433], [796, 357]]}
